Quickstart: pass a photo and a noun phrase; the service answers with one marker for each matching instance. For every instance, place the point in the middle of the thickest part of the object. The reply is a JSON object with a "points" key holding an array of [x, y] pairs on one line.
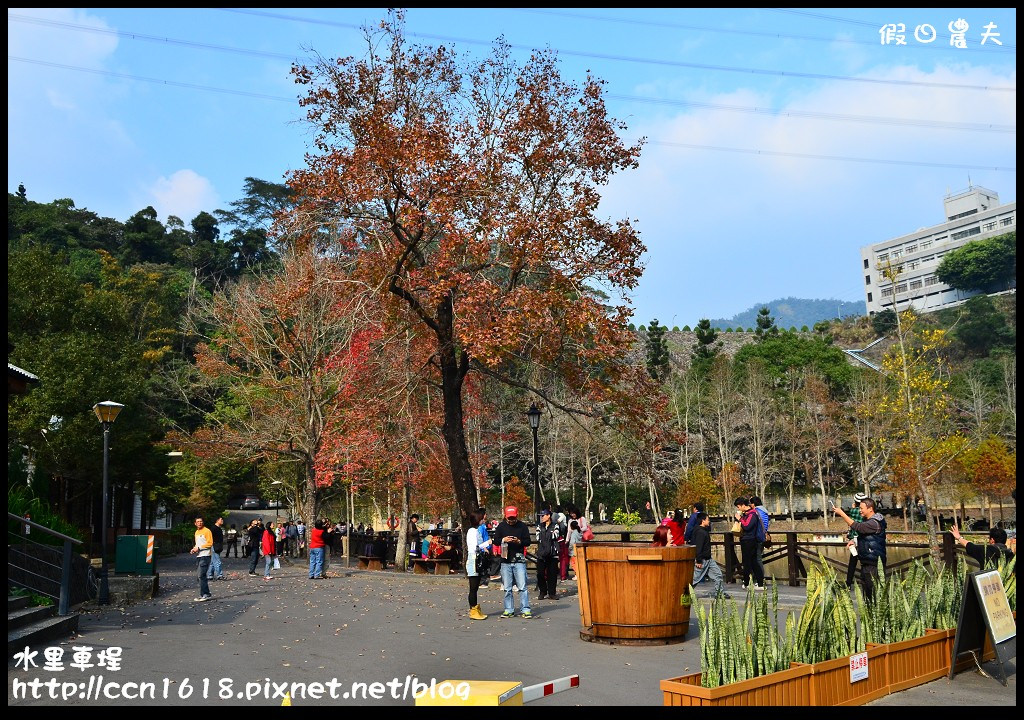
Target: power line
{"points": [[652, 61], [688, 146], [1005, 49], [937, 124]]}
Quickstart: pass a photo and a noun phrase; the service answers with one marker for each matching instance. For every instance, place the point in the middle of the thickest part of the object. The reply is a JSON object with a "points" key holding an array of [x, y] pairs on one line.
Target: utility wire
{"points": [[978, 127], [689, 146], [650, 61]]}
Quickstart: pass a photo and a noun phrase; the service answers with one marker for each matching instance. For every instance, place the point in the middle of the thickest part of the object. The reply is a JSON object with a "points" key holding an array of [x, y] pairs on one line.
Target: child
{"points": [[575, 536]]}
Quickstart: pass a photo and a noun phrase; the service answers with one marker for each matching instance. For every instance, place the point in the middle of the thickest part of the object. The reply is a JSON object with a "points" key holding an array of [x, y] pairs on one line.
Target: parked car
{"points": [[275, 504], [252, 502], [235, 503]]}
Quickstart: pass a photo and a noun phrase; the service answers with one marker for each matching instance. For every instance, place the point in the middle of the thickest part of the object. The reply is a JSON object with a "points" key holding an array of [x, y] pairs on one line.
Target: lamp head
{"points": [[107, 411], [534, 414]]}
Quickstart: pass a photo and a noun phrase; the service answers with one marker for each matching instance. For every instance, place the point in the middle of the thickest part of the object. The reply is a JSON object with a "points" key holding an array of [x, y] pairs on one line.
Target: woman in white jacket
{"points": [[474, 548]]}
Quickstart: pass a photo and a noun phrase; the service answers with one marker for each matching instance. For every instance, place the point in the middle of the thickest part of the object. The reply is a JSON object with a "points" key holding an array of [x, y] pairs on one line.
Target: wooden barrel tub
{"points": [[629, 592]]}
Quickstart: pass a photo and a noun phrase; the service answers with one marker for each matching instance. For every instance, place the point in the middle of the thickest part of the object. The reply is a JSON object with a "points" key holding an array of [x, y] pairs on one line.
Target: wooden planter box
{"points": [[917, 661], [786, 687], [629, 592], [830, 680], [965, 662]]}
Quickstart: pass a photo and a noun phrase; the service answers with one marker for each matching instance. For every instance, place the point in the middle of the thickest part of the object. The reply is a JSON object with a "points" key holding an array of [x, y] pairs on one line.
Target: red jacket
{"points": [[268, 544], [677, 532], [316, 539]]}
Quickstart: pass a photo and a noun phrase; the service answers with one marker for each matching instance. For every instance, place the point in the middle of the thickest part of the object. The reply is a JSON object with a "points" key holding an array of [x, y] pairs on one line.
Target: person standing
{"points": [[268, 548], [851, 539], [291, 539], [563, 544], [575, 536], [870, 542], [215, 571], [478, 547], [691, 522], [484, 541], [986, 555], [513, 537], [319, 540], [412, 535], [255, 533], [231, 541], [677, 526], [300, 530], [203, 549], [751, 535], [762, 513], [648, 512], [704, 564], [548, 536]]}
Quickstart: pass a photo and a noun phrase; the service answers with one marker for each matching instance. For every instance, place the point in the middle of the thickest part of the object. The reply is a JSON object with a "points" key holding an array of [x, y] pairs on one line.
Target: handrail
{"points": [[18, 518], [64, 598]]}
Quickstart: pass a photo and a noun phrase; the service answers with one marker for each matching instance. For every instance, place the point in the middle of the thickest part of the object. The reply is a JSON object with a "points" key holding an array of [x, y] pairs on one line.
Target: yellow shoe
{"points": [[476, 613]]}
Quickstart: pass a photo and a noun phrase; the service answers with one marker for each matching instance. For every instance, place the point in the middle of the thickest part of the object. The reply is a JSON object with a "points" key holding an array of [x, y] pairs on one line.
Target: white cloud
{"points": [[184, 194]]}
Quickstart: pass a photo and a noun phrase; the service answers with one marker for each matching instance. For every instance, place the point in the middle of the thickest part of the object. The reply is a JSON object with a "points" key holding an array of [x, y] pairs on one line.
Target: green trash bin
{"points": [[135, 555]]}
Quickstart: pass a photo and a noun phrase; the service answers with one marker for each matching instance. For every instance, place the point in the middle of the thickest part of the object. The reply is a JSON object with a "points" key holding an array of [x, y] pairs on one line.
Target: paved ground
{"points": [[367, 627]]}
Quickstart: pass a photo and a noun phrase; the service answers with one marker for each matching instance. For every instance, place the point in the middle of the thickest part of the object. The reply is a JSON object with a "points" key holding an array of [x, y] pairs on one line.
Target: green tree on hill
{"points": [[657, 351], [984, 265], [765, 325]]}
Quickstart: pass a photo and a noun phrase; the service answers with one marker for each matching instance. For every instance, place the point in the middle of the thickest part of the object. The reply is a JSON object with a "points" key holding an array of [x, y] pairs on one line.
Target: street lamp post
{"points": [[534, 415], [277, 510], [106, 412]]}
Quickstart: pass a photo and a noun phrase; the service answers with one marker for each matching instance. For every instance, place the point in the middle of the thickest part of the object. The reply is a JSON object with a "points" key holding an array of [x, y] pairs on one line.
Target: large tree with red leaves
{"points": [[469, 192]]}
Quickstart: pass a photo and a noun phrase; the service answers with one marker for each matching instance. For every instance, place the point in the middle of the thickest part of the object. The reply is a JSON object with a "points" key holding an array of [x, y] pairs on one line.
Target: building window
{"points": [[867, 279], [865, 263], [912, 265], [887, 292], [916, 284], [911, 249], [925, 244], [897, 254], [966, 233], [928, 258], [901, 288], [988, 226], [883, 257], [869, 297], [930, 280], [1006, 221]]}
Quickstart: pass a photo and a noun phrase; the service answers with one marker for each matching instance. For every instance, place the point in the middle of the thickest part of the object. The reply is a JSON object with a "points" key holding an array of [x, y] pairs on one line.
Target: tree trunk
{"points": [[402, 544], [453, 372]]}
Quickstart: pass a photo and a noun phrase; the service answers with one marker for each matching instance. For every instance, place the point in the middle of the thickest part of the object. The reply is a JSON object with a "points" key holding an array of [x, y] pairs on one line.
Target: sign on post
{"points": [[985, 611]]}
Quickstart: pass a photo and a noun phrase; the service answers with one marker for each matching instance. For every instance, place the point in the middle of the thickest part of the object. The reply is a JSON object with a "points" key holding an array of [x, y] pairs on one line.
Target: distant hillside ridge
{"points": [[794, 312]]}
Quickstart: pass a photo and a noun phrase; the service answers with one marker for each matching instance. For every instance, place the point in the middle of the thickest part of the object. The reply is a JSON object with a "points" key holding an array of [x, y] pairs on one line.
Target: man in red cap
{"points": [[513, 537]]}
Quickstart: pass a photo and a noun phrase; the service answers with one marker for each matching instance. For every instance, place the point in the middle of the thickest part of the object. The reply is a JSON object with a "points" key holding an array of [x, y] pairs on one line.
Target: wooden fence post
{"points": [[948, 551], [730, 557]]}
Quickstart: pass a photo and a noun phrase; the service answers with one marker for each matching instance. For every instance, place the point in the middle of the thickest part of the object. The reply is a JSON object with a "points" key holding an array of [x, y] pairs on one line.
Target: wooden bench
{"points": [[370, 563], [422, 567]]}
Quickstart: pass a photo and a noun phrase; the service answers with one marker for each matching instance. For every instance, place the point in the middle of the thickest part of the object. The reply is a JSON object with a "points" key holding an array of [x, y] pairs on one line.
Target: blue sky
{"points": [[779, 141]]}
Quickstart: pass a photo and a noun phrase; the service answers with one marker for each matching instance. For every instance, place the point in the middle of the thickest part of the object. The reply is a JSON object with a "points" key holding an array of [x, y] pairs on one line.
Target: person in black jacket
{"points": [[704, 564], [255, 539], [986, 555], [871, 543], [547, 555]]}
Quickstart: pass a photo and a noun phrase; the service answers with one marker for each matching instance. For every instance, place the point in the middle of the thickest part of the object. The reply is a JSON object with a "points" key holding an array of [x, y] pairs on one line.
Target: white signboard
{"points": [[858, 667]]}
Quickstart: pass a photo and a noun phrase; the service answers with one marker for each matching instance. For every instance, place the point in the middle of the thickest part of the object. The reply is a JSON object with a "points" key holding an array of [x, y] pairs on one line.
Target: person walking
{"points": [[478, 547], [513, 537], [705, 566], [851, 539], [751, 535], [762, 541], [203, 549], [231, 541], [255, 533], [412, 535], [216, 572], [484, 541], [268, 548], [870, 542], [300, 530], [548, 535]]}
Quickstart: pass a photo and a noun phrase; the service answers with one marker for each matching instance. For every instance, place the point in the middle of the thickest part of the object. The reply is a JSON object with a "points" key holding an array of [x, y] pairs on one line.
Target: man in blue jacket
{"points": [[692, 522]]}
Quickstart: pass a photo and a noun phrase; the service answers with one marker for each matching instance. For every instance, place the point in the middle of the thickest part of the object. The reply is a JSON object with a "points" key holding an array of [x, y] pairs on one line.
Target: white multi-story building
{"points": [[971, 215]]}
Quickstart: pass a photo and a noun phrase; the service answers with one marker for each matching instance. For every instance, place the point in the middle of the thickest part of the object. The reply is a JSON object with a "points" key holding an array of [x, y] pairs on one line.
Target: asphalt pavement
{"points": [[357, 628]]}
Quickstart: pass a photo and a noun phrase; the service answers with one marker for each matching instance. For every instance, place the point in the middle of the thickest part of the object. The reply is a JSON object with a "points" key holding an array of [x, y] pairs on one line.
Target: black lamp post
{"points": [[106, 412], [534, 415]]}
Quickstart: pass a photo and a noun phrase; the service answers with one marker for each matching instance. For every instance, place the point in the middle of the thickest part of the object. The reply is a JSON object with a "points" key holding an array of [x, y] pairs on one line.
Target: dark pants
{"points": [[851, 570], [204, 583], [474, 584], [752, 561], [547, 575], [254, 557], [231, 544], [868, 577]]}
